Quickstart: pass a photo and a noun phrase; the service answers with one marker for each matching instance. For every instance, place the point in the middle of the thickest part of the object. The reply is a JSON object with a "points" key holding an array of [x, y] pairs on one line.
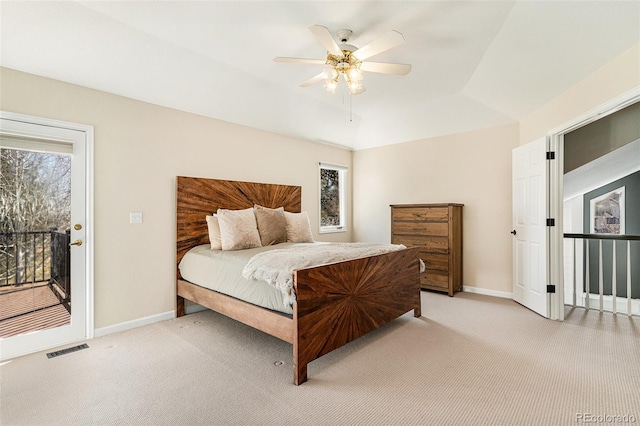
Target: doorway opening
{"points": [[572, 281], [35, 287]]}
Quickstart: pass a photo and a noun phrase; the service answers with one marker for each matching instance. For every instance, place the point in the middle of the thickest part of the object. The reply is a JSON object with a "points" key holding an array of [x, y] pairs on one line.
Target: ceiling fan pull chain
{"points": [[350, 107]]}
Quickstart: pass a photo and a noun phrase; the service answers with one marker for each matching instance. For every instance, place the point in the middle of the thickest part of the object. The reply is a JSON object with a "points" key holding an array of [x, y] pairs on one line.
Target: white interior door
{"points": [[23, 134], [530, 186]]}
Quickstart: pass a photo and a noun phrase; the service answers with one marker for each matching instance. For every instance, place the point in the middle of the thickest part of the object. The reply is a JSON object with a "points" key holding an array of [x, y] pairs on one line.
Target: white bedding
{"points": [[221, 271]]}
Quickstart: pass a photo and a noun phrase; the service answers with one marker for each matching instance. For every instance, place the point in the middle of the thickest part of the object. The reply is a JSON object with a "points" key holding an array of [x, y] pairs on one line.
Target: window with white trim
{"points": [[333, 198]]}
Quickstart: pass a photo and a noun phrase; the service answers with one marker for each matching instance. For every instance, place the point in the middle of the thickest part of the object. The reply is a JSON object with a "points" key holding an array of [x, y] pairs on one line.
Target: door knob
{"points": [[513, 232], [76, 243]]}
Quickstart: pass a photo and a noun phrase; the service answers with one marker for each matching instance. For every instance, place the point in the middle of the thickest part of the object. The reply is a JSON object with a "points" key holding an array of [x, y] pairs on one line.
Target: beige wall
{"points": [[471, 168], [612, 80], [139, 150]]}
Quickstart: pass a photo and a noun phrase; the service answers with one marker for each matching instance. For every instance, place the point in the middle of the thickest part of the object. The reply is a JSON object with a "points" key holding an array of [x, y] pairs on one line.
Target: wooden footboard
{"points": [[337, 303]]}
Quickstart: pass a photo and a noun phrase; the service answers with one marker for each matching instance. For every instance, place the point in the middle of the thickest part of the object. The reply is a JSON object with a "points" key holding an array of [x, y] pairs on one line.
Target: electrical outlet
{"points": [[135, 217]]}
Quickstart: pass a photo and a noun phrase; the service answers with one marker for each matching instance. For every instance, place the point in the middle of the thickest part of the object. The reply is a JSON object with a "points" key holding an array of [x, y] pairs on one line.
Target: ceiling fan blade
{"points": [[324, 37], [314, 80], [386, 68], [379, 45], [300, 60]]}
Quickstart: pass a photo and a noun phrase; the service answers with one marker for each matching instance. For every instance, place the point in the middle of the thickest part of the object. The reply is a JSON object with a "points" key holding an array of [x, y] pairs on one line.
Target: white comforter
{"points": [[276, 266]]}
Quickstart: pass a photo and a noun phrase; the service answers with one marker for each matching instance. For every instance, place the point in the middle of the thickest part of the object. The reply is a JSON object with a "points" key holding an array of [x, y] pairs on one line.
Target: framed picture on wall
{"points": [[607, 213]]}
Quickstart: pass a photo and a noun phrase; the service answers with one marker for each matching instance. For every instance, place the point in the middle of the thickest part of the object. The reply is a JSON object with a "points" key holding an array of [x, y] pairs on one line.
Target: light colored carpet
{"points": [[470, 360]]}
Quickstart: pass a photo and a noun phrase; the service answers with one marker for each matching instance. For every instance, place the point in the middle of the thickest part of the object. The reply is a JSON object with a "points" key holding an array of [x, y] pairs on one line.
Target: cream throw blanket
{"points": [[276, 266]]}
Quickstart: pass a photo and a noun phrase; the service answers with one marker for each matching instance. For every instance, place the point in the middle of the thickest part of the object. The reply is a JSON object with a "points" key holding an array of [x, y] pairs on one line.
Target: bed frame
{"points": [[335, 303]]}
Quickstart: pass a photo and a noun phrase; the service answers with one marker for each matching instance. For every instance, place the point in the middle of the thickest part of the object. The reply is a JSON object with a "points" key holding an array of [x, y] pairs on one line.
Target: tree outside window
{"points": [[332, 198]]}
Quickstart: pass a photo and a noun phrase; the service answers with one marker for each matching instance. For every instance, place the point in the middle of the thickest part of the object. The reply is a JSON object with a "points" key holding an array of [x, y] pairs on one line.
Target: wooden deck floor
{"points": [[30, 308]]}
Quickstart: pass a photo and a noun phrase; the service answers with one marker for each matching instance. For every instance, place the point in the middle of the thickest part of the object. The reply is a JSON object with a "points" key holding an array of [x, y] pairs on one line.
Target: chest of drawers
{"points": [[437, 230]]}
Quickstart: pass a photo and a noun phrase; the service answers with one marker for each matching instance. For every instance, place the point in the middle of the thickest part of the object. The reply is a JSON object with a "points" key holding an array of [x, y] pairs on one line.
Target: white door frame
{"points": [[88, 222], [556, 139]]}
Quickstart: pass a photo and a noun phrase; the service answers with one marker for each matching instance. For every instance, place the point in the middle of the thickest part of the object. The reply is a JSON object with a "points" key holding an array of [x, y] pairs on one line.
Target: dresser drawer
{"points": [[433, 214], [434, 261], [433, 244], [435, 279], [439, 229]]}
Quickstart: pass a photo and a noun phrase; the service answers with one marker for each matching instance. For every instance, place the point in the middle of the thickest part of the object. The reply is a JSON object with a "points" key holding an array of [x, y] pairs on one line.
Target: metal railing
{"points": [[602, 265], [35, 256]]}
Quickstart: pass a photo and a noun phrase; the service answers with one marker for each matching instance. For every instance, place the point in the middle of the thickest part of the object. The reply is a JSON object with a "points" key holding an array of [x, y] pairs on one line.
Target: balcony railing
{"points": [[35, 289], [34, 257], [602, 271]]}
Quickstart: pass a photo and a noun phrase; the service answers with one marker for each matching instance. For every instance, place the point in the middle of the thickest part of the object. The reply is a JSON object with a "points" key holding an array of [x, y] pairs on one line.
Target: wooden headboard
{"points": [[199, 197]]}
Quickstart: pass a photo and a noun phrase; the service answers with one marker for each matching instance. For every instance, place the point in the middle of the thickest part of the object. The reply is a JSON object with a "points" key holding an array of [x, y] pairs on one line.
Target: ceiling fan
{"points": [[348, 61]]}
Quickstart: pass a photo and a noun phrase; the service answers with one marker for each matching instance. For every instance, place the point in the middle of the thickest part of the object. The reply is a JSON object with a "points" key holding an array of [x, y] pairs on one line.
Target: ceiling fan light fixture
{"points": [[354, 74], [331, 85], [343, 66], [330, 73]]}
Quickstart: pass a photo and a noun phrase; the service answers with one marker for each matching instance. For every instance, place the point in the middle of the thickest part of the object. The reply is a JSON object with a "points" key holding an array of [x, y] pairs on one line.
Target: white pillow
{"points": [[214, 233], [238, 229], [298, 227]]}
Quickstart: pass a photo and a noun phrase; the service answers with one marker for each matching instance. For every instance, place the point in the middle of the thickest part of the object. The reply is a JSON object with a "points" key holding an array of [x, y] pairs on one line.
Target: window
{"points": [[333, 197]]}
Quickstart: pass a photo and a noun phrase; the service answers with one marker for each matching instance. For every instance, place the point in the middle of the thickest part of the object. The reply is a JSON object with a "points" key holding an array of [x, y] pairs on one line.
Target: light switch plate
{"points": [[135, 217]]}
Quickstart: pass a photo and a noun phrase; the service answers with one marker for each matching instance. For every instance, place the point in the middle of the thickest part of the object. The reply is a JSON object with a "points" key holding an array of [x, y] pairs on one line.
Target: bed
{"points": [[335, 303]]}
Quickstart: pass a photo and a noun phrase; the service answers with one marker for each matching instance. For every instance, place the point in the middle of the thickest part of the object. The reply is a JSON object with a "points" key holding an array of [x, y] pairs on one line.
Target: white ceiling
{"points": [[476, 64]]}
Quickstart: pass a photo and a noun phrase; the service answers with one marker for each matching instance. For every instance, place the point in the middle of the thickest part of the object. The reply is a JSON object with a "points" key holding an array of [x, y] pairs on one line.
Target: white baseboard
{"points": [[486, 292], [128, 325]]}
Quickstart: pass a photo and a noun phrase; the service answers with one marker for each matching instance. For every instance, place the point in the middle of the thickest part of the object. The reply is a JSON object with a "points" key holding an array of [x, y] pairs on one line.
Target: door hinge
{"points": [[551, 222], [551, 155], [551, 288]]}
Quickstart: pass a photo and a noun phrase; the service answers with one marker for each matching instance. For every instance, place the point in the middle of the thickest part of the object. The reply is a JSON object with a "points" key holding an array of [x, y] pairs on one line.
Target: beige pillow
{"points": [[238, 229], [214, 233], [298, 228], [272, 226]]}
